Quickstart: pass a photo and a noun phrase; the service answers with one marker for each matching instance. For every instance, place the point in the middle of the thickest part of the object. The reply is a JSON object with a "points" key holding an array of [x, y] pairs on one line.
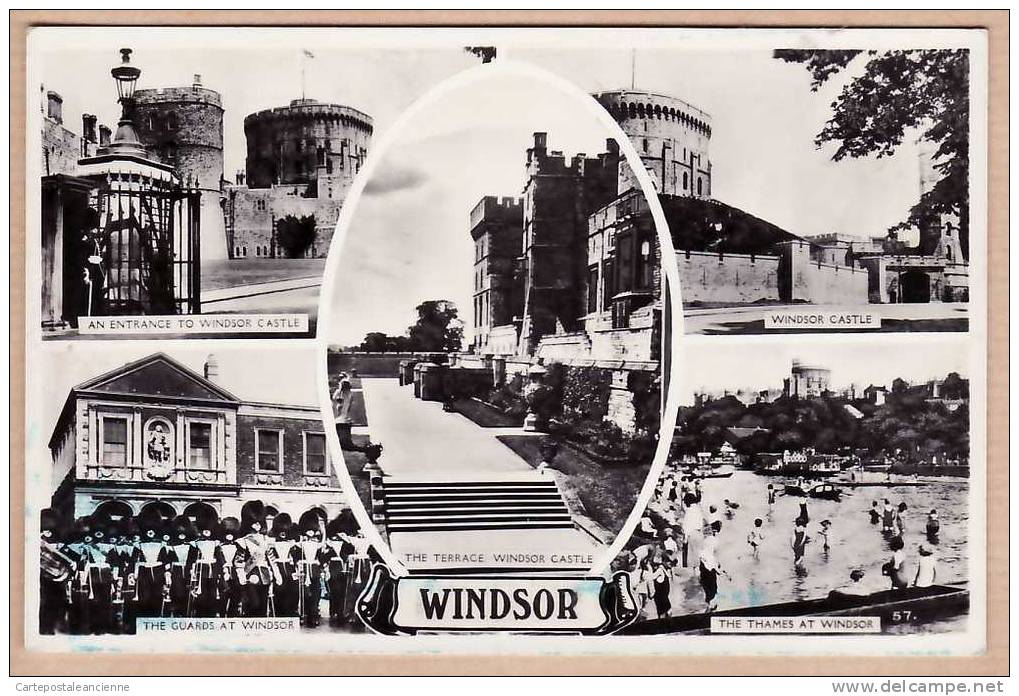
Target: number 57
{"points": [[900, 616]]}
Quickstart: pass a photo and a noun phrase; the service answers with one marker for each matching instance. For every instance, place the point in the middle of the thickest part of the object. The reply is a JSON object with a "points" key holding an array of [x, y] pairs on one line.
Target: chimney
{"points": [[55, 106], [197, 82], [88, 128], [211, 368], [540, 141], [104, 135]]}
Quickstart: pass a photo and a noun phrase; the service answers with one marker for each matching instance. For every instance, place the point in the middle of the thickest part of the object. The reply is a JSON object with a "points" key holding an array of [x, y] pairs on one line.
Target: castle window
{"points": [[700, 186], [644, 143], [315, 453], [114, 445], [592, 289], [258, 250], [172, 122], [244, 251], [686, 181], [268, 450], [200, 445]]}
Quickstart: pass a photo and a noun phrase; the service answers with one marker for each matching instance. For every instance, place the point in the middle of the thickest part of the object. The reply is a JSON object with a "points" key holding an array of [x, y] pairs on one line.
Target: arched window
{"points": [[633, 111], [700, 186], [172, 122], [115, 511]]}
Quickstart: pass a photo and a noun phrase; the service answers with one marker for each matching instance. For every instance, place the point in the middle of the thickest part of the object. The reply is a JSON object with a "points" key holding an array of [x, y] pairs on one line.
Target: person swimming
{"points": [[755, 538], [875, 513], [799, 542], [933, 526]]}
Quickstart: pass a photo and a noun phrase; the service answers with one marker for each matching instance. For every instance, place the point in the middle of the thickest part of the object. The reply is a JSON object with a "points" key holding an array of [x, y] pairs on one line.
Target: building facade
{"points": [[155, 433], [497, 230], [301, 161]]}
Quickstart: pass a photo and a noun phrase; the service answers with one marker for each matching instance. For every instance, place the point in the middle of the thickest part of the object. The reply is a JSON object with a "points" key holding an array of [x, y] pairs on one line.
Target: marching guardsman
{"points": [[56, 568], [96, 578], [126, 550], [286, 590], [336, 553], [150, 563], [117, 565], [360, 564], [259, 574], [77, 614], [307, 556], [229, 561], [182, 557], [204, 574]]}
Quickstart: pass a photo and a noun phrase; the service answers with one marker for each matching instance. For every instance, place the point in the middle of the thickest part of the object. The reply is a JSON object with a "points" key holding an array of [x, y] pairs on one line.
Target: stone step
{"points": [[529, 501]]}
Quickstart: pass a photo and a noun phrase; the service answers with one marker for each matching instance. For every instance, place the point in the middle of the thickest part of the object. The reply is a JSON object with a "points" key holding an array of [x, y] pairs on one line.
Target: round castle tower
{"points": [[183, 127], [307, 142], [671, 136]]}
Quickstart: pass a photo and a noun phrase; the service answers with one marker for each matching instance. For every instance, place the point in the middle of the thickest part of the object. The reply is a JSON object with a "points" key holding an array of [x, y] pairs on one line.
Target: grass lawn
{"points": [[230, 273], [608, 492], [484, 415], [354, 462]]}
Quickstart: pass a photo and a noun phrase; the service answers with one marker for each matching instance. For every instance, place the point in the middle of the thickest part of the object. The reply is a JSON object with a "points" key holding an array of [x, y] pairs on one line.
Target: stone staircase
{"points": [[509, 502]]}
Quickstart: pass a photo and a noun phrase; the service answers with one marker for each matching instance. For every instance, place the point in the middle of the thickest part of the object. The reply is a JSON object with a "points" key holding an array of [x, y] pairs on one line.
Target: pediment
{"points": [[158, 376]]}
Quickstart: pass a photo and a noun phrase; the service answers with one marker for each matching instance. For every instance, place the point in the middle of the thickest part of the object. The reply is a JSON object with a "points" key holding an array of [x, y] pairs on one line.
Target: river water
{"points": [[771, 577]]}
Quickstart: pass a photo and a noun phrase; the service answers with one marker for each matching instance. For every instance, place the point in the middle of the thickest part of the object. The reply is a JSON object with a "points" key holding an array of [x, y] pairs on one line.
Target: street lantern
{"points": [[126, 76], [125, 140]]}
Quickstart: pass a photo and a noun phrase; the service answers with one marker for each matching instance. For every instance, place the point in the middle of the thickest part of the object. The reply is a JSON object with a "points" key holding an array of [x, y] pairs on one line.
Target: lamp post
{"points": [[125, 75]]}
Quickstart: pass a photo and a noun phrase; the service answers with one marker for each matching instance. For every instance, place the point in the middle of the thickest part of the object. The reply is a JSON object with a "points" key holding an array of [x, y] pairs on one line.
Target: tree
{"points": [[898, 92], [295, 235], [375, 342], [438, 329]]}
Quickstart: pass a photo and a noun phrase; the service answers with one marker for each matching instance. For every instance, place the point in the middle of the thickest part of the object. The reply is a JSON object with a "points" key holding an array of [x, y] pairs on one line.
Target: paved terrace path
{"points": [[420, 440], [424, 443]]}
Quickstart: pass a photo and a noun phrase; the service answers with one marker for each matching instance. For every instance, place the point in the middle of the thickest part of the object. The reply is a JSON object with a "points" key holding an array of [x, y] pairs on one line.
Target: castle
{"points": [[301, 160], [728, 256]]}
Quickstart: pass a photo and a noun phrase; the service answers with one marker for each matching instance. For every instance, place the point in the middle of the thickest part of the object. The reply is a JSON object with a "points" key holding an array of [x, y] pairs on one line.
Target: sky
{"points": [[713, 365]]}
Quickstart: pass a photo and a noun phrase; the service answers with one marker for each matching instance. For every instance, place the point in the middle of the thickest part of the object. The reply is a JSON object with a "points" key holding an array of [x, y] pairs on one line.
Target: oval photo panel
{"points": [[493, 311]]}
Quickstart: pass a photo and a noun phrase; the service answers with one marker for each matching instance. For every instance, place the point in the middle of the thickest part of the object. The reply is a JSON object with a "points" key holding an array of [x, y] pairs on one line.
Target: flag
{"points": [[307, 53]]}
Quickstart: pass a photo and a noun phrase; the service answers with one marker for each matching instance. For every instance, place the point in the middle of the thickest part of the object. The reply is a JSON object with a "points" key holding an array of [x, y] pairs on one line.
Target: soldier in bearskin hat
{"points": [[56, 568], [286, 589], [96, 578], [182, 557], [229, 562], [204, 573], [259, 574], [126, 550], [150, 567], [335, 557], [308, 555]]}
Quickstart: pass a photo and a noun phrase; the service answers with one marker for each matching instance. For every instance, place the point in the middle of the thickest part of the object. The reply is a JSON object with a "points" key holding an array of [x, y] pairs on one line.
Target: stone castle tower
{"points": [[671, 136], [307, 142], [559, 194], [938, 237], [183, 127]]}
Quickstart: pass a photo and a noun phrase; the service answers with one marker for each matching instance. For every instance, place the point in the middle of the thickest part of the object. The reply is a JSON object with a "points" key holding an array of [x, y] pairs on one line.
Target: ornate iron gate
{"points": [[142, 250]]}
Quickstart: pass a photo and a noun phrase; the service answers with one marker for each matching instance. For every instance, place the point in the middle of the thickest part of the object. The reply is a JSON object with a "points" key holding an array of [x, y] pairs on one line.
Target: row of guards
{"points": [[99, 576]]}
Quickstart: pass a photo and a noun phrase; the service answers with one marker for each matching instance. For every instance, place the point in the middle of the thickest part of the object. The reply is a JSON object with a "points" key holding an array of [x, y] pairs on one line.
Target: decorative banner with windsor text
{"points": [[445, 604]]}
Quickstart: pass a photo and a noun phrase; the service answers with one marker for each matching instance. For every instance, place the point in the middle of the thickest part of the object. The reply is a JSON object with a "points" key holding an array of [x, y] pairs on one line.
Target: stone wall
{"points": [[376, 364], [806, 280], [61, 148], [251, 214], [728, 278]]}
